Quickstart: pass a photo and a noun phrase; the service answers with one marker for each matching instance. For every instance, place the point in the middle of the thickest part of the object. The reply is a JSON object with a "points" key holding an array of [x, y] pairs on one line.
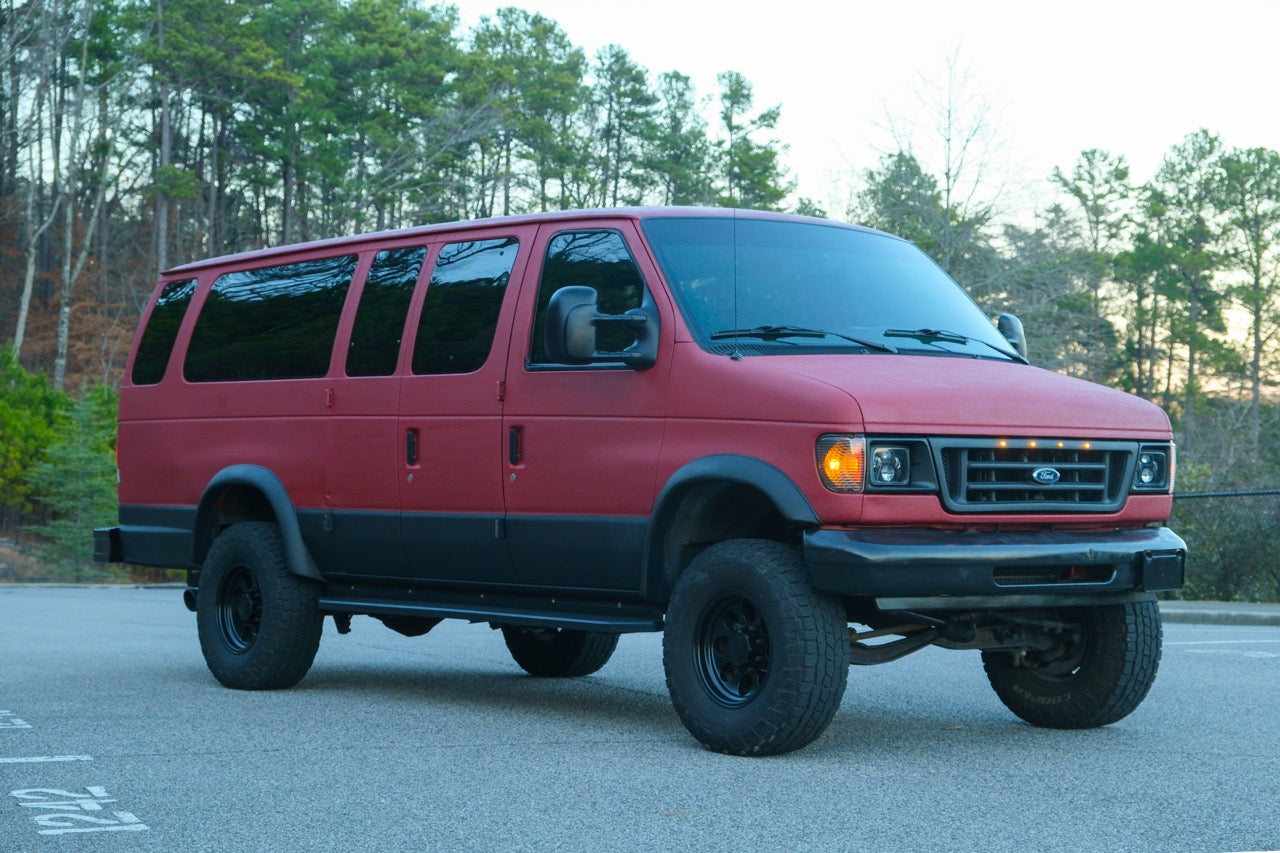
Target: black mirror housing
{"points": [[573, 317], [1011, 327]]}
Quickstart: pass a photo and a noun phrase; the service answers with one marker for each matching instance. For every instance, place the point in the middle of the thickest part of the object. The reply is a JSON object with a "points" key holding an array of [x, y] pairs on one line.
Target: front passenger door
{"points": [[582, 441]]}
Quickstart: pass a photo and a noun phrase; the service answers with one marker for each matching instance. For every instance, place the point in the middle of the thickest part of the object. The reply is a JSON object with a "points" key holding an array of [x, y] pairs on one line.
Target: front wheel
{"points": [[259, 624], [756, 659], [1097, 670]]}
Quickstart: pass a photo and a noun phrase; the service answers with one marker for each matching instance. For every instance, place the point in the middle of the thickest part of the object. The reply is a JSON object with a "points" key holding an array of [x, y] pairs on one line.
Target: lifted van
{"points": [[749, 431]]}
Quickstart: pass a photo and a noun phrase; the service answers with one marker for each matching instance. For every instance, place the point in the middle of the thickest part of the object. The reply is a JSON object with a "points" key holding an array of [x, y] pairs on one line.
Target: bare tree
{"points": [[953, 134], [78, 247], [47, 42]]}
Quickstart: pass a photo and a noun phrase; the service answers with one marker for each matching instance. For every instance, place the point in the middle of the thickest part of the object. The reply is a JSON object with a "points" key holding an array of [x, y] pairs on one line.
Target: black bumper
{"points": [[168, 547], [106, 545], [908, 568]]}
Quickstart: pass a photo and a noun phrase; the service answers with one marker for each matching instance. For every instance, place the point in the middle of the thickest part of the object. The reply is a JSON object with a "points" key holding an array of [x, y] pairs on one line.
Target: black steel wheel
{"points": [[732, 651], [1097, 669], [259, 624], [756, 659], [558, 652], [239, 610]]}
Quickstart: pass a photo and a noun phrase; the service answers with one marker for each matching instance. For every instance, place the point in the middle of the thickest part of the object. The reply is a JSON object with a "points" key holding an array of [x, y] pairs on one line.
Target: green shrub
{"points": [[29, 410], [75, 481], [1231, 541]]}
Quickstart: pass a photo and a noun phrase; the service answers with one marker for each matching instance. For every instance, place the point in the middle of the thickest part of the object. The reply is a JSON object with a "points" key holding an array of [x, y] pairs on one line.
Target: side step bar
{"points": [[599, 617]]}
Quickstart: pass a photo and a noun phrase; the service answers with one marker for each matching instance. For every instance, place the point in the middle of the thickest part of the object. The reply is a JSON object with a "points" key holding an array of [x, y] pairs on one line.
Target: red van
{"points": [[750, 431]]}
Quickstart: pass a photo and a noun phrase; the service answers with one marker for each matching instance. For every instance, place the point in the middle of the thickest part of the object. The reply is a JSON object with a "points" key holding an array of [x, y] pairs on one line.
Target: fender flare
{"points": [[765, 478], [266, 483]]}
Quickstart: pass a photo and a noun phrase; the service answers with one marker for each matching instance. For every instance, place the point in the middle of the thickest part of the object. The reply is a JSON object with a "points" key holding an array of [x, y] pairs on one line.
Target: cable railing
{"points": [[1245, 493]]}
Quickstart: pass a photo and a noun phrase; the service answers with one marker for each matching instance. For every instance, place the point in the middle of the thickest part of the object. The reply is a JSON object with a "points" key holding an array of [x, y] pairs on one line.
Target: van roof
{"points": [[277, 252]]}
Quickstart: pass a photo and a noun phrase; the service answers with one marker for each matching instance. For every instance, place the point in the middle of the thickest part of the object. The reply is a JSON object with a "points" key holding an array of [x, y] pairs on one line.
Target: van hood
{"points": [[958, 396]]}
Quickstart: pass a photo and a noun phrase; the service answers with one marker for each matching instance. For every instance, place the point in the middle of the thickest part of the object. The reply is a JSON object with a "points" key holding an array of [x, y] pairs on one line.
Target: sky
{"points": [[1044, 79]]}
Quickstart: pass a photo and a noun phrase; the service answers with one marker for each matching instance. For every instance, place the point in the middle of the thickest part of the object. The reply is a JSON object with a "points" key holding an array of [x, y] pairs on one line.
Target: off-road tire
{"points": [[1104, 675], [259, 624], [558, 652], [756, 659]]}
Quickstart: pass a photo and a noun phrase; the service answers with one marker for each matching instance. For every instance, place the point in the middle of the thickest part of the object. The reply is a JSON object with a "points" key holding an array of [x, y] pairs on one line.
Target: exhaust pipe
{"points": [[189, 598]]}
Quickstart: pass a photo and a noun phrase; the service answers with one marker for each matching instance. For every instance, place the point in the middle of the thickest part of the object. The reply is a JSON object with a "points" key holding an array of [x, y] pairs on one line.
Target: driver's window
{"points": [[598, 259]]}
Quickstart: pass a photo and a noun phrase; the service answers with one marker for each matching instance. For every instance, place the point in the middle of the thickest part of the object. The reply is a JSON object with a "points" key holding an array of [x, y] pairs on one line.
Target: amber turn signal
{"points": [[842, 462]]}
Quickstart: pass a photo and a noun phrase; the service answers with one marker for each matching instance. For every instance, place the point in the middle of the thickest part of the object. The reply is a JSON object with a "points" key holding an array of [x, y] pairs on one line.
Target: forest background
{"points": [[138, 135]]}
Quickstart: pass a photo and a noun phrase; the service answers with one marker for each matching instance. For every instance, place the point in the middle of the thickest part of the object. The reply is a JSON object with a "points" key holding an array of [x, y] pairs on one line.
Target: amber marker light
{"points": [[842, 462]]}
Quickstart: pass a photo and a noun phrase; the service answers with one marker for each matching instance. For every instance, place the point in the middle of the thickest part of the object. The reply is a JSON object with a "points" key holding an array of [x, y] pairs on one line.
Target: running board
{"points": [[598, 617]]}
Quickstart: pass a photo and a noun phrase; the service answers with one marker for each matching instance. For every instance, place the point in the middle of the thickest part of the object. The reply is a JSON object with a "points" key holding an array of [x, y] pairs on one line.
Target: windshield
{"points": [[769, 286]]}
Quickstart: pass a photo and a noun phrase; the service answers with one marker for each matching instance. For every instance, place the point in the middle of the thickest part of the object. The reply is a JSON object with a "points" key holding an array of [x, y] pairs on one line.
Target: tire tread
{"points": [[1113, 682], [288, 640], [813, 641]]}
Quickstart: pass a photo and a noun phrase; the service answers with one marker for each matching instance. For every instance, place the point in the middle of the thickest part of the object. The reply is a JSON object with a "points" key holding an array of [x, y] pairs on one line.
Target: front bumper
{"points": [[905, 568]]}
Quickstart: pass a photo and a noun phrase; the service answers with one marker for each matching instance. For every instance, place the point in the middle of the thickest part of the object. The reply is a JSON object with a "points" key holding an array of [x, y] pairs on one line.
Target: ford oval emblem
{"points": [[1046, 476]]}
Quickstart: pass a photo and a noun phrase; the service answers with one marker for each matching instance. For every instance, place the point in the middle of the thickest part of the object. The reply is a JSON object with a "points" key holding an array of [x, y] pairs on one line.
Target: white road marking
{"points": [[67, 811], [1224, 642], [9, 721], [45, 759], [1232, 652]]}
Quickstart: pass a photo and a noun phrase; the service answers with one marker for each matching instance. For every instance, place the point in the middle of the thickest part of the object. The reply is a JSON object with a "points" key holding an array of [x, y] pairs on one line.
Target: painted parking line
{"points": [[45, 759], [1225, 643], [1230, 648]]}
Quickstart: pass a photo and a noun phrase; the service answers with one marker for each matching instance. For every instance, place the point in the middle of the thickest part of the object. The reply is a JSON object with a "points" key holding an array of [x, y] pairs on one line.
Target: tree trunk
{"points": [[166, 154]]}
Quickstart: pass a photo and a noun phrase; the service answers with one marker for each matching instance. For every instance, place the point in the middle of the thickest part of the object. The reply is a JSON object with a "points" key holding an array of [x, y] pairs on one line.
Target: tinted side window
{"points": [[460, 313], [272, 323], [157, 339], [598, 259], [375, 339]]}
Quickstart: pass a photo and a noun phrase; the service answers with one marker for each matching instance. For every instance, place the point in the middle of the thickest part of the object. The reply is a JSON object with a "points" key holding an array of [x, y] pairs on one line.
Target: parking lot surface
{"points": [[112, 730]]}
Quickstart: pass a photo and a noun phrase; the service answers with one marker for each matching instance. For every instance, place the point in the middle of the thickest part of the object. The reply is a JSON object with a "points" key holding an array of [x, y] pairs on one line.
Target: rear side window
{"points": [[598, 259], [460, 313], [272, 323], [152, 358], [375, 340]]}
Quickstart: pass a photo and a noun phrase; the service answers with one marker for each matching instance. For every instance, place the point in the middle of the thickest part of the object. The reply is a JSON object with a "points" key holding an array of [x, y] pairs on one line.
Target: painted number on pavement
{"points": [[58, 812], [9, 721]]}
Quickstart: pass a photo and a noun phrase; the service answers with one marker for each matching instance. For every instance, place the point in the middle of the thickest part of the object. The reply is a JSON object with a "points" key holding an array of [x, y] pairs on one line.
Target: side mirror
{"points": [[573, 318], [1011, 327]]}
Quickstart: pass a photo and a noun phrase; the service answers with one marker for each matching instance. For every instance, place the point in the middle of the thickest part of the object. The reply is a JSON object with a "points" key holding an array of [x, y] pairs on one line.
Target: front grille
{"points": [[1034, 475]]}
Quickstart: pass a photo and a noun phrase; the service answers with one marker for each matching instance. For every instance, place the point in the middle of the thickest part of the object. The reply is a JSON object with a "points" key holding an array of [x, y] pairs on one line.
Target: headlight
{"points": [[842, 461], [1153, 470], [890, 466]]}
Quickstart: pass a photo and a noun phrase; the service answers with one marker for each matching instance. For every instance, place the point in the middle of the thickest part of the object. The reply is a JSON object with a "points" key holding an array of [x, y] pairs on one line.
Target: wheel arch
{"points": [[251, 493], [714, 498]]}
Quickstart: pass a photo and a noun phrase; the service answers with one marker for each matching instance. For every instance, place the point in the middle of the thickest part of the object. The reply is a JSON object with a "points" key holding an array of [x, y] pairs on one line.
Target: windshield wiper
{"points": [[773, 333], [931, 336]]}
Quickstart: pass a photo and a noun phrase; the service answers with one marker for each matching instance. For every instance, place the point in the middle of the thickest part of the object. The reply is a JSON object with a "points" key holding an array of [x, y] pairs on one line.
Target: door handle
{"points": [[411, 447], [513, 446]]}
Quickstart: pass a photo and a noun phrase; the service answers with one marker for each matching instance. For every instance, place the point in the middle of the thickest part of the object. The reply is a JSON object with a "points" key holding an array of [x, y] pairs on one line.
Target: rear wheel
{"points": [[259, 624], [756, 659], [558, 652], [1099, 668]]}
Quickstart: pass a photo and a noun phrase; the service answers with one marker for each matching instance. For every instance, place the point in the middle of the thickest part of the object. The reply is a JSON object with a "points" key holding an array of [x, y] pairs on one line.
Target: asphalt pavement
{"points": [[110, 723]]}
